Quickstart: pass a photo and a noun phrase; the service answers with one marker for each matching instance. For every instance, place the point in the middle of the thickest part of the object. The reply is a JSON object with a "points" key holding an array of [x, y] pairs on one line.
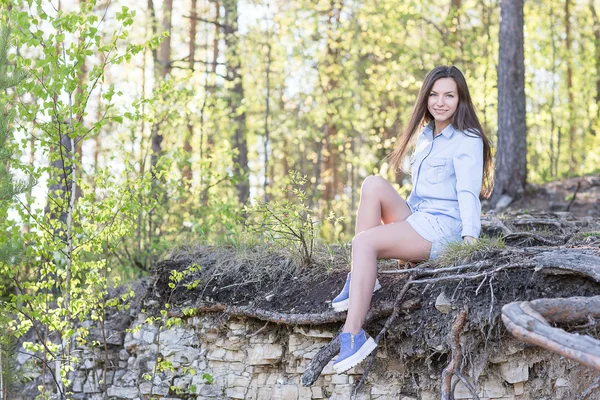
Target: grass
{"points": [[594, 234], [579, 236], [461, 253]]}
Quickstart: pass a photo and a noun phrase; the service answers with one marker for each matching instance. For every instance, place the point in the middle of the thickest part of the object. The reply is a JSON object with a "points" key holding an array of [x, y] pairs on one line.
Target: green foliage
{"points": [[63, 274], [10, 242], [163, 321], [11, 245]]}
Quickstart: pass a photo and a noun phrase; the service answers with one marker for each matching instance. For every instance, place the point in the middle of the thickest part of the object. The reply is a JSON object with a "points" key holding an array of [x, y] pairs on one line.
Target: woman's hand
{"points": [[469, 239]]}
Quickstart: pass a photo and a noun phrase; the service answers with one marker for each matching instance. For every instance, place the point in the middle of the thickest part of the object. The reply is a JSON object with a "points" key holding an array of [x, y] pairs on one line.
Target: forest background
{"points": [[130, 128]]}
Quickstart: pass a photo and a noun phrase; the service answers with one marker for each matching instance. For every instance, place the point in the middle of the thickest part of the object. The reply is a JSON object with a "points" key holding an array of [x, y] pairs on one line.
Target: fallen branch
{"points": [[527, 321]]}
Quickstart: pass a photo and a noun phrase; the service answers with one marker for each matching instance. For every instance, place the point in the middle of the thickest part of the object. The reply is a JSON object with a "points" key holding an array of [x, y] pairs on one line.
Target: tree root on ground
{"points": [[529, 321], [454, 367], [380, 310]]}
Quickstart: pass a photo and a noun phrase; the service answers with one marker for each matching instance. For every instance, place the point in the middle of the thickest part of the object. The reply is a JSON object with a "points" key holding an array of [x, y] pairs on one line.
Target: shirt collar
{"points": [[447, 132]]}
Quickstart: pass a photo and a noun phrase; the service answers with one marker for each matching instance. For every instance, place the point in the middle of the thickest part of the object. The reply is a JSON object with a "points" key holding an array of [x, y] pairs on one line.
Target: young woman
{"points": [[451, 167]]}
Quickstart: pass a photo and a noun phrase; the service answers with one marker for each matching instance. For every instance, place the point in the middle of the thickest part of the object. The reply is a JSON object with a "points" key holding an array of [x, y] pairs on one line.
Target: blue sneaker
{"points": [[341, 301], [353, 349]]}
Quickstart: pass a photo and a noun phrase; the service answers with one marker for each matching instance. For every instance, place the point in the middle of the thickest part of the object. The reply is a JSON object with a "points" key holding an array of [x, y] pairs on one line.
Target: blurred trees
{"points": [[223, 98]]}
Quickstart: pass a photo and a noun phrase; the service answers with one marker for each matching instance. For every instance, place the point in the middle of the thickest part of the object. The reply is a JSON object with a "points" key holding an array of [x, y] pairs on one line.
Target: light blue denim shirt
{"points": [[446, 177]]}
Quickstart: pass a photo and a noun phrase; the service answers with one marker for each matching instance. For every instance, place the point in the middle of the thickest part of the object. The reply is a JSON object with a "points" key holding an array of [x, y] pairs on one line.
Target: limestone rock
{"points": [[443, 303], [519, 388], [503, 202], [515, 371], [264, 354], [123, 392], [562, 382]]}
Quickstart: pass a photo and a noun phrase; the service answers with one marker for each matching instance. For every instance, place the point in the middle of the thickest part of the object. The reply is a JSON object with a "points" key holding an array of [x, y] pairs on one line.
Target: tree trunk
{"points": [[573, 167], [236, 95], [206, 174], [162, 67], [511, 154], [596, 27], [60, 183], [330, 173], [267, 115], [186, 170], [454, 32]]}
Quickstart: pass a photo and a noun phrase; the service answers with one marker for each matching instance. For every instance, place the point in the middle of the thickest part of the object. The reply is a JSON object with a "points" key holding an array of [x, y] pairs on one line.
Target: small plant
{"points": [[290, 223]]}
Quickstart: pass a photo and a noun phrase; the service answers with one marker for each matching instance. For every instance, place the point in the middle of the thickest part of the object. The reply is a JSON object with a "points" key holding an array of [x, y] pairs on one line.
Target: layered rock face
{"points": [[214, 357]]}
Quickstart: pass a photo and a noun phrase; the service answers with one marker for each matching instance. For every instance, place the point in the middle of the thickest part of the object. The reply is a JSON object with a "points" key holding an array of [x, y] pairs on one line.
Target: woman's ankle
{"points": [[351, 329]]}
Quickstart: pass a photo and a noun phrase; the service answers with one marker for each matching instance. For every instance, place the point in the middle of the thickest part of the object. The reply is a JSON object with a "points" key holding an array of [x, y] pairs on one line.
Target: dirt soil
{"points": [[557, 195]]}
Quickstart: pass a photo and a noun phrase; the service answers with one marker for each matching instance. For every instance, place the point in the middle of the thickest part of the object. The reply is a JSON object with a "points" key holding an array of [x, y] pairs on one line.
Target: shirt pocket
{"points": [[436, 171]]}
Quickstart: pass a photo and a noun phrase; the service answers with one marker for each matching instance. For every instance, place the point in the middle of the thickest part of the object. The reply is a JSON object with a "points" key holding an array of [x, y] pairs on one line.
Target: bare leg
{"points": [[379, 202], [395, 240]]}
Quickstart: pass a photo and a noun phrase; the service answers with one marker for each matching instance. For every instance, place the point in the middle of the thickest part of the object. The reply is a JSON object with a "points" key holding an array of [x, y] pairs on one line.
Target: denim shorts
{"points": [[439, 231]]}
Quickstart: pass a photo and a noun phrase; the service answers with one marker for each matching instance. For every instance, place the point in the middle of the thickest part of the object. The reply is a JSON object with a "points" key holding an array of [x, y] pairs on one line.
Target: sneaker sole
{"points": [[343, 305], [356, 358]]}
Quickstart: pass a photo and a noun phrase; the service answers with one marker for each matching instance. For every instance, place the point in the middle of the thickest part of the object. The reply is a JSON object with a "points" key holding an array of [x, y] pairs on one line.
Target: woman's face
{"points": [[443, 100]]}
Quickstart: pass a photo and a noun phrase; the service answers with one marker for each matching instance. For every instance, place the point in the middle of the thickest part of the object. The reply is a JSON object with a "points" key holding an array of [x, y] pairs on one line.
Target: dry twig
{"points": [[595, 385]]}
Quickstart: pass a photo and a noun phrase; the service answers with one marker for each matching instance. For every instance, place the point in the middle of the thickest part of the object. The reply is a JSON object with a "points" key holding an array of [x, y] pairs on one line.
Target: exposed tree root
{"points": [[380, 310], [529, 322], [529, 238], [315, 366], [569, 261], [454, 367], [548, 223]]}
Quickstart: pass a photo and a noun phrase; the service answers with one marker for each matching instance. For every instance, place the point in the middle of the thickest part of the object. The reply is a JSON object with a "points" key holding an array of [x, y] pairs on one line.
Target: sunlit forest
{"points": [[131, 128]]}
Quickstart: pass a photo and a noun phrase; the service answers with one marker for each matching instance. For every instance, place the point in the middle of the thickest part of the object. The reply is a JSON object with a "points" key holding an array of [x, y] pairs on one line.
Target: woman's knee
{"points": [[372, 184], [363, 243]]}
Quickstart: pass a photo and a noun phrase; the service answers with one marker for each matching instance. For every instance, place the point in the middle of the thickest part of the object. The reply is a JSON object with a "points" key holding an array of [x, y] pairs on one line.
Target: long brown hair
{"points": [[464, 119]]}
